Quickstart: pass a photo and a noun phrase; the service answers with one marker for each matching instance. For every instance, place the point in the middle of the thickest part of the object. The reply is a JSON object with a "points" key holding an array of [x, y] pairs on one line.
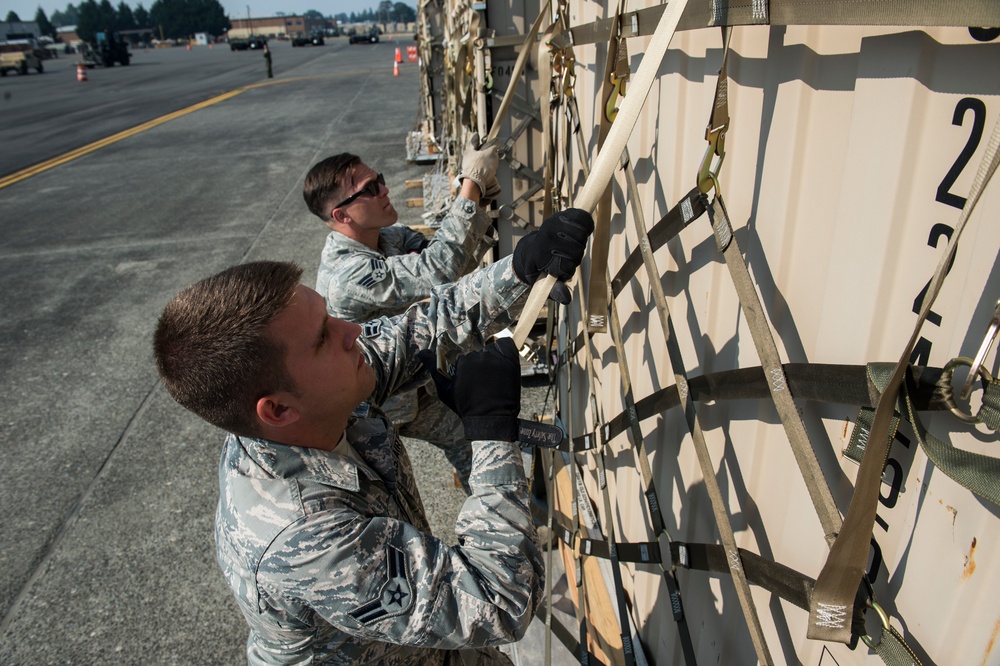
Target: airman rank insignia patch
{"points": [[378, 273], [396, 595], [371, 329]]}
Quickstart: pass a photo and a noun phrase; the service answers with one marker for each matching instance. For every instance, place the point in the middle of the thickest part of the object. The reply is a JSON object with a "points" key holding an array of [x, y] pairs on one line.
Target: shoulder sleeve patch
{"points": [[396, 594], [379, 271]]}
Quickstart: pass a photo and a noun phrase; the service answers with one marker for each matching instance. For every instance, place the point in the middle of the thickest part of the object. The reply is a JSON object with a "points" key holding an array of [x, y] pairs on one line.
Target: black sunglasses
{"points": [[372, 188]]}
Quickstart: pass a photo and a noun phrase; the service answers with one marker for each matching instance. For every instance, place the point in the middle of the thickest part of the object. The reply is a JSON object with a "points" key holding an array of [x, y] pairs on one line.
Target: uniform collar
{"points": [[282, 461]]}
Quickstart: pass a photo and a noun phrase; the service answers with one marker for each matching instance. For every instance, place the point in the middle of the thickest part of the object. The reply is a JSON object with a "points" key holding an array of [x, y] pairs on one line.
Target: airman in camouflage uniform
{"points": [[320, 530], [372, 267]]}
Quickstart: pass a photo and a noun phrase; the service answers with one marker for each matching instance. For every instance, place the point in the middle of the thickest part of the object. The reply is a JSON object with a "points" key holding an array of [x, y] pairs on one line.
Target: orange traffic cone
{"points": [[395, 69], [399, 56], [81, 73]]}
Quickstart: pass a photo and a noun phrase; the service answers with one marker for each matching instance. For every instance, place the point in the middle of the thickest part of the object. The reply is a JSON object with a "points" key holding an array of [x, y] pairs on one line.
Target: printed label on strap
{"points": [[687, 211], [855, 450], [723, 231]]}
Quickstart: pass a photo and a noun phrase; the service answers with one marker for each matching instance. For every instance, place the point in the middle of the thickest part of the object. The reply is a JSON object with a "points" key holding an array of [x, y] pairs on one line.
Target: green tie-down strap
{"points": [[894, 651], [989, 413], [979, 473]]}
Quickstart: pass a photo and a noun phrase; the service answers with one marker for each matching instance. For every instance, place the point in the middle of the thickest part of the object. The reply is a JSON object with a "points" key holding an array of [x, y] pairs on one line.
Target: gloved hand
{"points": [[479, 163], [491, 193], [556, 248], [485, 391]]}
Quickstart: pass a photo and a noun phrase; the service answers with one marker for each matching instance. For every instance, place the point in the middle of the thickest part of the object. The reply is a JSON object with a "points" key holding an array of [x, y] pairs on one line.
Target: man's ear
{"points": [[338, 217], [277, 410]]}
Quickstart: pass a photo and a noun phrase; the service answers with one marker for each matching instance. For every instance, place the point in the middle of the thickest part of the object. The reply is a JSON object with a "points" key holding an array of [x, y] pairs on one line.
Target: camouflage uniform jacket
{"points": [[359, 283], [329, 554]]}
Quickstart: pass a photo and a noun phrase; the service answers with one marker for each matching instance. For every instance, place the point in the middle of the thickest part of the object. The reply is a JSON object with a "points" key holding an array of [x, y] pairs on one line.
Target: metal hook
{"points": [[945, 388], [611, 110], [569, 76], [668, 558], [708, 175], [991, 336], [884, 617]]}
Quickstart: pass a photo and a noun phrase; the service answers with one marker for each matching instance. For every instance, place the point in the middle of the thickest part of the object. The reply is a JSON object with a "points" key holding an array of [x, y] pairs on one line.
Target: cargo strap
{"points": [[556, 628], [700, 15], [556, 71], [628, 648], [815, 382], [574, 534], [483, 76], [797, 589], [649, 492], [581, 579], [522, 58], [760, 330], [548, 468], [687, 210], [979, 473], [616, 73], [678, 218], [609, 155], [848, 557], [545, 101], [767, 351], [584, 341], [691, 418], [564, 93], [718, 124], [777, 579]]}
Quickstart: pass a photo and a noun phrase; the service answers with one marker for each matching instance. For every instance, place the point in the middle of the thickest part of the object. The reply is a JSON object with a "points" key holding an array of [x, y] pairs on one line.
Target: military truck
{"points": [[253, 42], [111, 48], [315, 39], [89, 58], [369, 36], [20, 55]]}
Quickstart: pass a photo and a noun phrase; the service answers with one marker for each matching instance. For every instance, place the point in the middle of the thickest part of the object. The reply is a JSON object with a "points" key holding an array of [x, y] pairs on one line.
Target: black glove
{"points": [[485, 391], [556, 248]]}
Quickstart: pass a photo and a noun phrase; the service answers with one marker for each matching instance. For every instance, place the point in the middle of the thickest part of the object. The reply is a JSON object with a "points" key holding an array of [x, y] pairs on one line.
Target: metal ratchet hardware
{"points": [[984, 349], [708, 174]]}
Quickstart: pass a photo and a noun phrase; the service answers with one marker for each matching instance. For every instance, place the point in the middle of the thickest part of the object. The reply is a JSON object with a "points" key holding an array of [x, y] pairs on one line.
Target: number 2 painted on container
{"points": [[922, 350]]}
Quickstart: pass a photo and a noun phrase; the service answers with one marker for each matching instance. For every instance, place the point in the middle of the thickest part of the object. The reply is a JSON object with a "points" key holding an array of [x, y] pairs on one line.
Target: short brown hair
{"points": [[212, 348], [322, 188]]}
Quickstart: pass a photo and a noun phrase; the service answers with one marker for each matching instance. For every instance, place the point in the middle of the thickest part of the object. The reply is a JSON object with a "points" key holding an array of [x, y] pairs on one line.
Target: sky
{"points": [[26, 9]]}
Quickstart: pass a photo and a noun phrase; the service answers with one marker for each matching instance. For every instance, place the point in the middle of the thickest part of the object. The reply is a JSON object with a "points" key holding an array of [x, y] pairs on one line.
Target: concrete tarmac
{"points": [[108, 487]]}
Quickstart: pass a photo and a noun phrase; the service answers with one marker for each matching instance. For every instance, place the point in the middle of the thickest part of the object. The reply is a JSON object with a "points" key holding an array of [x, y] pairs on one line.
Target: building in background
{"points": [[18, 30], [279, 27]]}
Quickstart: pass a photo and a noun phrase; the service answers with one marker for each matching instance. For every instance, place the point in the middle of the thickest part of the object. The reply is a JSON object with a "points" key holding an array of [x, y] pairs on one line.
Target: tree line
{"points": [[175, 18], [180, 18], [387, 12]]}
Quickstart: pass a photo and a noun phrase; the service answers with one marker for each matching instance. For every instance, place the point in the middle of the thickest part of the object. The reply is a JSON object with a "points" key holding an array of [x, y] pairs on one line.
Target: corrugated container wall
{"points": [[848, 158]]}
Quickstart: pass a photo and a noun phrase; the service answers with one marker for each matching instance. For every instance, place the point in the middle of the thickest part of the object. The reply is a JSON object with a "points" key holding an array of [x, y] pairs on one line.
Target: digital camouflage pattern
{"points": [[360, 284], [329, 554]]}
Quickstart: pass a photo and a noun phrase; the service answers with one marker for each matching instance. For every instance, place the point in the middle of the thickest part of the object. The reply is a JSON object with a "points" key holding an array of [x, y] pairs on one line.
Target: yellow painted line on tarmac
{"points": [[107, 141], [115, 138]]}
